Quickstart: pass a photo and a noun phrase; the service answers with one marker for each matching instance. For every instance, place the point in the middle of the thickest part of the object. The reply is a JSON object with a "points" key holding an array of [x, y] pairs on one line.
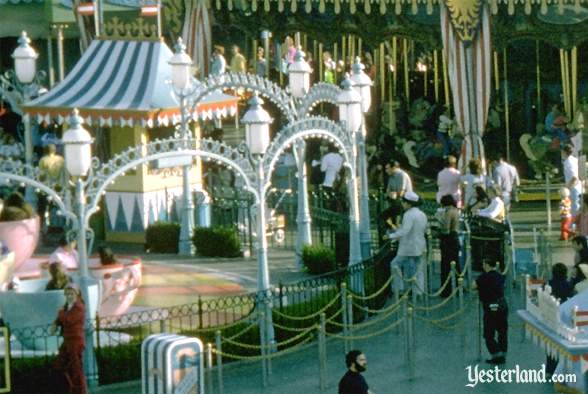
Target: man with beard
{"points": [[353, 382]]}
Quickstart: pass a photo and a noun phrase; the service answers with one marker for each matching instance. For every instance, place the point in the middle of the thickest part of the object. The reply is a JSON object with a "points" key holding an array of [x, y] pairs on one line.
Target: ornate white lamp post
{"points": [[350, 114], [257, 139], [362, 84], [25, 80], [181, 81], [299, 81], [78, 160]]}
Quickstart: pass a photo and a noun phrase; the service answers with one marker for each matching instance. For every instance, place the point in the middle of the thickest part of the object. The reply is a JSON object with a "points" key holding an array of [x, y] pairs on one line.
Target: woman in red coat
{"points": [[71, 322]]}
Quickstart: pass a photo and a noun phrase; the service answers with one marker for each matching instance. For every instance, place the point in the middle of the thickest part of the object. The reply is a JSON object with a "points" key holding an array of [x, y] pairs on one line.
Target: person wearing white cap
{"points": [[411, 245]]}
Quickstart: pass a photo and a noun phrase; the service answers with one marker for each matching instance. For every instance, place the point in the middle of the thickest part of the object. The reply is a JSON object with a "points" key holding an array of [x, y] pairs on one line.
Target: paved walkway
{"points": [[442, 357], [441, 362]]}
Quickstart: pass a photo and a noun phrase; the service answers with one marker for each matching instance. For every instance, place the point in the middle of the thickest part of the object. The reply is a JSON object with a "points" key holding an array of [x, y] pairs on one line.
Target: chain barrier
{"points": [[265, 357], [331, 319], [448, 317], [367, 336], [392, 307], [243, 331], [314, 314], [273, 345], [436, 306], [372, 322], [377, 293]]}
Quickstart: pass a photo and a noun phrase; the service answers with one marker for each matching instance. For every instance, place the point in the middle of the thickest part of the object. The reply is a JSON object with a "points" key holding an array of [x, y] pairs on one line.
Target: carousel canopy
{"points": [[123, 83]]}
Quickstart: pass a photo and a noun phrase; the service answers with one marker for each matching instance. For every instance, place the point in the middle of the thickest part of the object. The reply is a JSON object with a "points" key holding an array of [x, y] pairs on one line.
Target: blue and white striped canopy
{"points": [[123, 83]]}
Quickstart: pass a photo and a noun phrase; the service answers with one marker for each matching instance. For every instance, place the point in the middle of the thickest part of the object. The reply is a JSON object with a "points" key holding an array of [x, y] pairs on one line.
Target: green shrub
{"points": [[162, 237], [217, 242], [318, 259], [35, 375], [119, 363]]}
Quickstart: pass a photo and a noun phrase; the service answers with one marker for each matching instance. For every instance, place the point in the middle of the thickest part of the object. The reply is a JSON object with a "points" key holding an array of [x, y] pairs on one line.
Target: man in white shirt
{"points": [[496, 209], [448, 180], [506, 177], [411, 245], [331, 164], [572, 177]]}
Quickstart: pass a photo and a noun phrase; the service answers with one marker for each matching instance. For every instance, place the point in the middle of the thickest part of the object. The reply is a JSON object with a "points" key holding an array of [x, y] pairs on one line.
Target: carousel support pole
{"points": [[50, 60], [506, 111], [60, 56], [254, 57], [319, 59], [406, 76], [548, 198], [538, 73], [382, 73], [265, 36], [436, 75], [335, 53], [574, 81]]}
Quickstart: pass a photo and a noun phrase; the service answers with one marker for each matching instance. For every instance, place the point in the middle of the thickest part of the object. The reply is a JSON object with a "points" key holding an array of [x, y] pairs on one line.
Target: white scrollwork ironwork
{"points": [[320, 93], [266, 88], [24, 174], [165, 148], [310, 127]]}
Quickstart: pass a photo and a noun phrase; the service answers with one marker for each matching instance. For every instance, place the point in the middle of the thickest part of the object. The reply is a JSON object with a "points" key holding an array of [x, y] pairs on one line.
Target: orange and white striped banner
{"points": [[150, 10], [86, 9]]}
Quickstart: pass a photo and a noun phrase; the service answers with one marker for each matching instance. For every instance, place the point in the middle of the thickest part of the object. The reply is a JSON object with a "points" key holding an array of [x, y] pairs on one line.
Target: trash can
{"points": [[172, 364], [202, 211]]}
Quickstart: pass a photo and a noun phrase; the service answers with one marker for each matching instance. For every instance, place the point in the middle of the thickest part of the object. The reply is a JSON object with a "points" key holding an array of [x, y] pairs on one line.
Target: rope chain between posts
{"points": [[372, 322], [377, 293], [466, 267], [367, 336], [243, 331], [385, 310], [448, 317], [235, 323], [317, 313], [270, 346], [334, 315], [269, 356], [436, 306]]}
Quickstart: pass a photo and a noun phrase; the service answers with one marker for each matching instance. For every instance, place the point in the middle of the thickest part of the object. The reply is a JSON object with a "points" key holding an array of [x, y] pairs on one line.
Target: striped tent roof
{"points": [[123, 83]]}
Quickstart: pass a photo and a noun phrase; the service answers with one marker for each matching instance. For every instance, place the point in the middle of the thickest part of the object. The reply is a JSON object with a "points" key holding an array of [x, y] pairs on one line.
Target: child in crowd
{"points": [[565, 212]]}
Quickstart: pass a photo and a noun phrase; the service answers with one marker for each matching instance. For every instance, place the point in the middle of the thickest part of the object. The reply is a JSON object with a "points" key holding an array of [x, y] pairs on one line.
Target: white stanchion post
{"points": [[219, 360], [345, 317], [479, 330], [453, 280], [264, 349], [461, 304], [350, 319], [322, 344], [410, 342], [209, 368]]}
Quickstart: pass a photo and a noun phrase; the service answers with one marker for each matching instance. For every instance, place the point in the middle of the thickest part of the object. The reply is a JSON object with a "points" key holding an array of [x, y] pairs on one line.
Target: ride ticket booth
{"points": [[122, 91], [172, 364]]}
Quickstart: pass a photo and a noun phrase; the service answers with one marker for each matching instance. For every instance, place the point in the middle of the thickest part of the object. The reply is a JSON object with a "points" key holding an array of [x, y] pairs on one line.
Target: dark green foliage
{"points": [[35, 375], [318, 259], [217, 242], [162, 237], [119, 363]]}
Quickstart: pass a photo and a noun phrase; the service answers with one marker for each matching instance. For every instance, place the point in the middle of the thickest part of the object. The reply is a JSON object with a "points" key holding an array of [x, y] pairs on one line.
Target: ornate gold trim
{"points": [[138, 29], [465, 17]]}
